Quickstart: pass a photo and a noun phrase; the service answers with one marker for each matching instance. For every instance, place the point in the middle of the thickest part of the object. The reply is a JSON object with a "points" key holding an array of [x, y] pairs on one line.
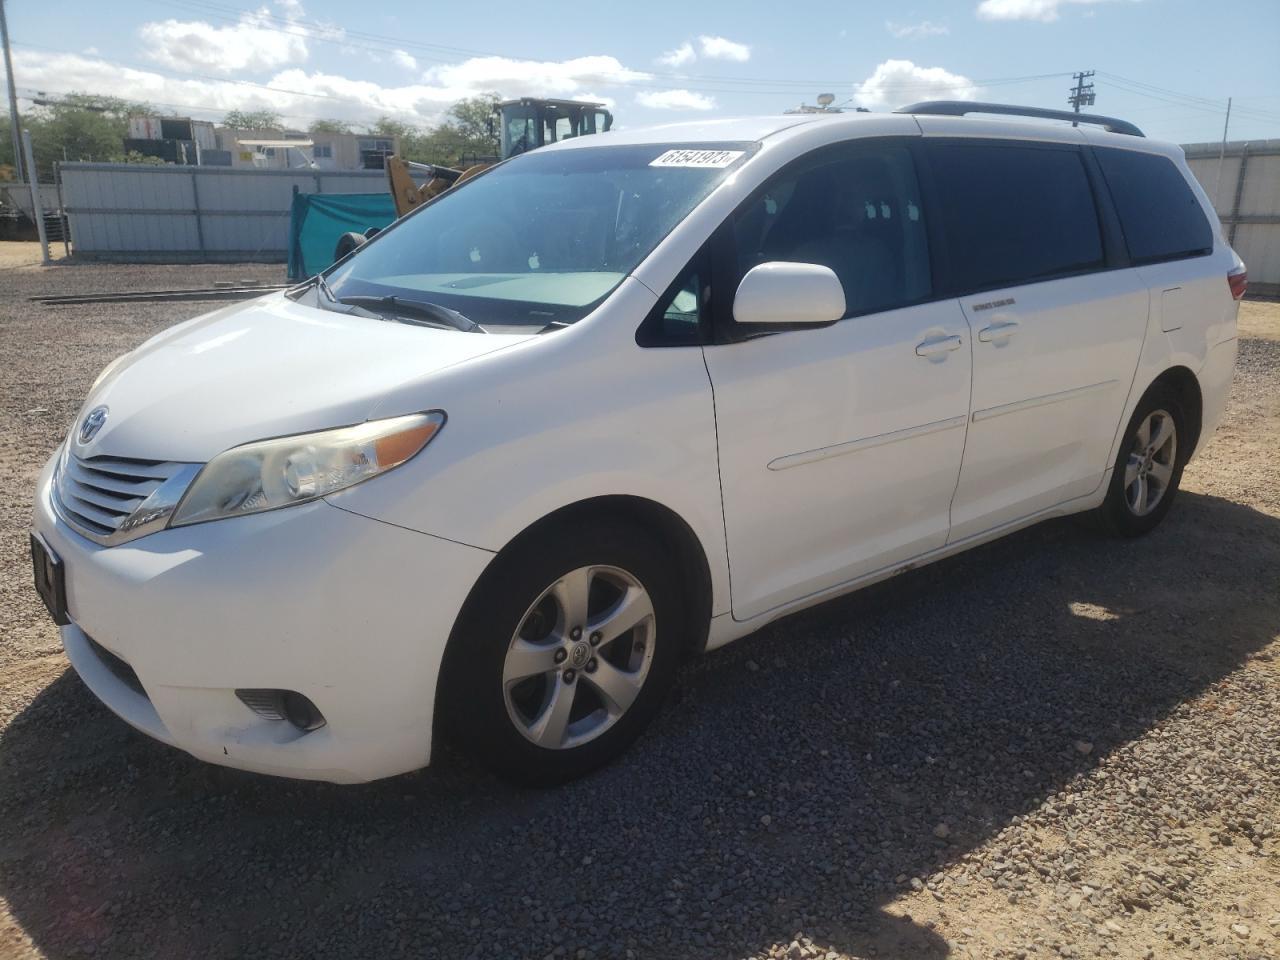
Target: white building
{"points": [[182, 140], [292, 149]]}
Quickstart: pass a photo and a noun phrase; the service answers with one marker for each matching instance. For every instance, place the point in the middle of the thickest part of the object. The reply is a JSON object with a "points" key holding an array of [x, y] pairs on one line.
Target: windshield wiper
{"points": [[416, 310], [318, 281]]}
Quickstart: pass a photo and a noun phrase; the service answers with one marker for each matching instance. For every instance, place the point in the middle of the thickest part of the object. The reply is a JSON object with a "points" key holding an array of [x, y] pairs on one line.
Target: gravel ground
{"points": [[1057, 744]]}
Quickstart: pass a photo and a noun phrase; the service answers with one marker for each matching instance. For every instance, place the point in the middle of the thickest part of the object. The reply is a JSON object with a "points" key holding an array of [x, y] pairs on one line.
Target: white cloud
{"points": [[925, 28], [255, 43], [718, 48], [679, 56], [301, 95], [591, 97], [897, 82], [540, 78], [404, 59], [675, 100], [1046, 11], [357, 100]]}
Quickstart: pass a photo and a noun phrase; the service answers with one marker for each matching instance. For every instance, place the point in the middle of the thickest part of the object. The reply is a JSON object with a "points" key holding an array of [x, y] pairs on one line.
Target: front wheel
{"points": [[1149, 467], [564, 654]]}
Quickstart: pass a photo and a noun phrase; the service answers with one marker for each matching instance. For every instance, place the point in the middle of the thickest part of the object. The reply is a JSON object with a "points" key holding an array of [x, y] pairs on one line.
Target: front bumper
{"points": [[351, 612]]}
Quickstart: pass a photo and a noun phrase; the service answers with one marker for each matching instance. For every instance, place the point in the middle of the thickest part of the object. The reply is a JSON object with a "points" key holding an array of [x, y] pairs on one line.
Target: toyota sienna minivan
{"points": [[618, 401]]}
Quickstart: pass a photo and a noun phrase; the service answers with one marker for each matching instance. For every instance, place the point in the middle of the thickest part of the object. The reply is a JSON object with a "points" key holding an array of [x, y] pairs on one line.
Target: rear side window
{"points": [[1160, 215], [1015, 213]]}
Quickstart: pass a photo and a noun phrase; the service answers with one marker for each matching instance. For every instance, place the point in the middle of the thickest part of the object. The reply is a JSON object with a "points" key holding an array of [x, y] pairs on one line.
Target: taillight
{"points": [[1238, 281]]}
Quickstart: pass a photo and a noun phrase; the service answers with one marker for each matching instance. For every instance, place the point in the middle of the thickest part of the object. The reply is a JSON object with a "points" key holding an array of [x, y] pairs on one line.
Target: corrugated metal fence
{"points": [[130, 212], [1245, 189]]}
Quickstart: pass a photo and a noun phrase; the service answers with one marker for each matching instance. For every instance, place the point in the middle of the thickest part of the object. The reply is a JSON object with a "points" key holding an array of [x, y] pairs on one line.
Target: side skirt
{"points": [[725, 629]]}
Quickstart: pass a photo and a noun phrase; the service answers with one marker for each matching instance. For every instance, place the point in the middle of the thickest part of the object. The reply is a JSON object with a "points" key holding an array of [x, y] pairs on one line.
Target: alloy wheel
{"points": [[579, 657], [1149, 470]]}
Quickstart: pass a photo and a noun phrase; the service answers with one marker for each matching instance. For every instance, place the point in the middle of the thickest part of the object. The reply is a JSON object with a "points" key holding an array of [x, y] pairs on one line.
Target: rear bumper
{"points": [[351, 612]]}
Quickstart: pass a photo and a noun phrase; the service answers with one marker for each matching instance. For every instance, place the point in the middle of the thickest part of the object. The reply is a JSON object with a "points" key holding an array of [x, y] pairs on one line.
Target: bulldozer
{"points": [[524, 124]]}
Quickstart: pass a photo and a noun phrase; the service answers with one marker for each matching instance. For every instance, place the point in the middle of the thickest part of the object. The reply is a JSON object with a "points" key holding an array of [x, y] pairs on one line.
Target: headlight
{"points": [[278, 473]]}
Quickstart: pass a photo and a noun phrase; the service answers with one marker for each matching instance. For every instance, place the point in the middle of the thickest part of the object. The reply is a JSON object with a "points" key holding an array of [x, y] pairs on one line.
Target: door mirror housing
{"points": [[782, 294]]}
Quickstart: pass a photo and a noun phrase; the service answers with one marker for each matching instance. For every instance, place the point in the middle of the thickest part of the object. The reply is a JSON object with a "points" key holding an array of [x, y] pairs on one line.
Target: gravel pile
{"points": [[1056, 745]]}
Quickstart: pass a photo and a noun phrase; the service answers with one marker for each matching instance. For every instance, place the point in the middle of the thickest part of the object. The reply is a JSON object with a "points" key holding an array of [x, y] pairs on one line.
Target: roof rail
{"points": [[958, 108]]}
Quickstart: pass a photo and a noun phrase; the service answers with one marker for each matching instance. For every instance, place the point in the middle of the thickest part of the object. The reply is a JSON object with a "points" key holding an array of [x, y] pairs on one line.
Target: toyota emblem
{"points": [[92, 423]]}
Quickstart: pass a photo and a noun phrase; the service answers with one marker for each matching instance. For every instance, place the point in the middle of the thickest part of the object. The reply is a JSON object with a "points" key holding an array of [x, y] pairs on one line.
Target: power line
{"points": [[1199, 108], [1192, 101]]}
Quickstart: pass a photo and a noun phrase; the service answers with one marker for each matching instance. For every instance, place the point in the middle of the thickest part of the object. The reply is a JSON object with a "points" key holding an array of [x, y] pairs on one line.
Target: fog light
{"points": [[300, 711], [283, 705]]}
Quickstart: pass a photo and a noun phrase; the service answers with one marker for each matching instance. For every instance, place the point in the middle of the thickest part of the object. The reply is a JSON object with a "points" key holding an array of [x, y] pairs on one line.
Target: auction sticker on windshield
{"points": [[697, 158]]}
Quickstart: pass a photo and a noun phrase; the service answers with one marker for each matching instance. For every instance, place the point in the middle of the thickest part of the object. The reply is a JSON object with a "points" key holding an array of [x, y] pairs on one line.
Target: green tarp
{"points": [[317, 220]]}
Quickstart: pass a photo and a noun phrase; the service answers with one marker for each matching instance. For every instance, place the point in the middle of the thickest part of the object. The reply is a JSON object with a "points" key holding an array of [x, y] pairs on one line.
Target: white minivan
{"points": [[617, 401]]}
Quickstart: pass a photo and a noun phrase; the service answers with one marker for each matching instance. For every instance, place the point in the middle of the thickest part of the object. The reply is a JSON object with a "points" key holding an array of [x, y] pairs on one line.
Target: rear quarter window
{"points": [[1159, 213], [1015, 213]]}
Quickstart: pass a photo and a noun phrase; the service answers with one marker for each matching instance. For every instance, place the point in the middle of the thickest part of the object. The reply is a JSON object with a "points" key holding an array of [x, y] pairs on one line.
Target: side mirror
{"points": [[806, 294]]}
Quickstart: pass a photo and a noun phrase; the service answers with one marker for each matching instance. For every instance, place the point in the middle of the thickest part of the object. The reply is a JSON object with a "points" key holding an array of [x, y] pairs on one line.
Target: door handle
{"points": [[936, 346], [998, 332]]}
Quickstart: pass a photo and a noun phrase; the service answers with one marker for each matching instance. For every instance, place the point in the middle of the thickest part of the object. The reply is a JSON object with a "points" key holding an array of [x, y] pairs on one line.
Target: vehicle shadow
{"points": [[793, 784]]}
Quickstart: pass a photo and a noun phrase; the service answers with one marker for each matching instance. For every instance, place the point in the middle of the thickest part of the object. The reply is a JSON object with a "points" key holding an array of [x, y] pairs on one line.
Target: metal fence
{"points": [[135, 213], [1245, 189]]}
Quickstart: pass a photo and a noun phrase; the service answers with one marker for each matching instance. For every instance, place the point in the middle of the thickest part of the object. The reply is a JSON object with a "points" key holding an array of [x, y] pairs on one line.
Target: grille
{"points": [[110, 499]]}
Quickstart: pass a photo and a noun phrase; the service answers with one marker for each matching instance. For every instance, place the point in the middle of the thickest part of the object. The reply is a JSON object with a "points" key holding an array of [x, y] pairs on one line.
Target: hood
{"points": [[268, 368]]}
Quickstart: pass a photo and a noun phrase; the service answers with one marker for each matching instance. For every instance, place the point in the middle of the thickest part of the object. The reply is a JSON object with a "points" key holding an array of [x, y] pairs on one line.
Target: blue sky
{"points": [[1168, 65]]}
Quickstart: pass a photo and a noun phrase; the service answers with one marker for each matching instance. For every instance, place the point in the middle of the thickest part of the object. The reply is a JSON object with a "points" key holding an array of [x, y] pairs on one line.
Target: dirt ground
{"points": [[22, 253], [1054, 745]]}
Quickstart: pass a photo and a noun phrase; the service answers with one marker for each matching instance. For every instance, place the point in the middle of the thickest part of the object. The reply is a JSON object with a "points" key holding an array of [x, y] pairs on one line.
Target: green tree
{"points": [[117, 108], [7, 171], [253, 120], [474, 122], [134, 156], [329, 126], [386, 126], [78, 126]]}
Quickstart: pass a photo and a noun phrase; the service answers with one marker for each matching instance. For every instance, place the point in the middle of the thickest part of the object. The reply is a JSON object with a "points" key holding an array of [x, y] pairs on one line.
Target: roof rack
{"points": [[958, 108]]}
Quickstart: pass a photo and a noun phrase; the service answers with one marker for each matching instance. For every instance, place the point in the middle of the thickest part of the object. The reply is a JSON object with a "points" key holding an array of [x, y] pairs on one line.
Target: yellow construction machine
{"points": [[524, 124]]}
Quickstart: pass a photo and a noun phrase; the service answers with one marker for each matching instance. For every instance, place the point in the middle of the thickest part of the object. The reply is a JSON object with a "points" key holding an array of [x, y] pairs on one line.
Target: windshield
{"points": [[542, 238]]}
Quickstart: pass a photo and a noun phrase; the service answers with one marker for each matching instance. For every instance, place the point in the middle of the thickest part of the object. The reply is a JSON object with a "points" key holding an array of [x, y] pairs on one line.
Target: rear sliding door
{"points": [[1058, 323]]}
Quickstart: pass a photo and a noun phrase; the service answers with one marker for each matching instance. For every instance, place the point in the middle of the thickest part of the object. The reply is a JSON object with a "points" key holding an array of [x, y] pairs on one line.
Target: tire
{"points": [[346, 243], [1129, 511], [522, 613]]}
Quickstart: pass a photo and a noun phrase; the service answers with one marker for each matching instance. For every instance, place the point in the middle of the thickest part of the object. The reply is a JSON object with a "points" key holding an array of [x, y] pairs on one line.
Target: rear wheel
{"points": [[565, 653], [1149, 466]]}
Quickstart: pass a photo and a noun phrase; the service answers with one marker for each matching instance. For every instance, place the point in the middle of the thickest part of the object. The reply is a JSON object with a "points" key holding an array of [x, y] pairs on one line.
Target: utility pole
{"points": [[1222, 153], [37, 208], [13, 97], [1082, 94]]}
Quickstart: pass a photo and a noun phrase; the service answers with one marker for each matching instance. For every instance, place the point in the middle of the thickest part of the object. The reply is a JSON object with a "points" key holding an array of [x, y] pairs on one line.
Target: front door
{"points": [[840, 446]]}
